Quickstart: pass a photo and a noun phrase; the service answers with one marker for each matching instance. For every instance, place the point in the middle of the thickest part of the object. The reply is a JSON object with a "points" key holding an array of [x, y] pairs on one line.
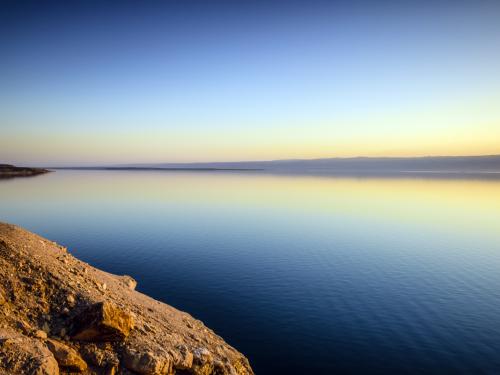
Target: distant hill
{"points": [[437, 164]]}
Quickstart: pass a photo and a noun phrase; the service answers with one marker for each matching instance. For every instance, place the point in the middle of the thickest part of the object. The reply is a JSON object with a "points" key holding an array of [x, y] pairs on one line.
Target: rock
{"points": [[241, 365], [3, 299], [23, 355], [39, 334], [183, 358], [66, 357], [148, 328], [42, 299], [147, 363], [103, 358], [202, 355], [202, 361], [129, 282], [46, 328], [47, 366], [23, 326], [103, 321]]}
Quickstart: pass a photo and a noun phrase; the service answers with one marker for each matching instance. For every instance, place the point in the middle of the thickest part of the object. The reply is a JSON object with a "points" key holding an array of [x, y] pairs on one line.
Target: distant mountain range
{"points": [[438, 164]]}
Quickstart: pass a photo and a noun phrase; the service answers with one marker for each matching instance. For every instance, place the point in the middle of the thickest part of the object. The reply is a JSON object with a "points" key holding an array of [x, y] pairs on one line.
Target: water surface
{"points": [[303, 274]]}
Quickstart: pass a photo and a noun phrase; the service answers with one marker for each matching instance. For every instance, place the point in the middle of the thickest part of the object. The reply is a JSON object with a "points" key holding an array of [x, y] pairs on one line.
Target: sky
{"points": [[104, 82]]}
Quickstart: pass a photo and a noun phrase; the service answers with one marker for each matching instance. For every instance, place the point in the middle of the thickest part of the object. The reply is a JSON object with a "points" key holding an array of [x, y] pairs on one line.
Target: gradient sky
{"points": [[92, 82]]}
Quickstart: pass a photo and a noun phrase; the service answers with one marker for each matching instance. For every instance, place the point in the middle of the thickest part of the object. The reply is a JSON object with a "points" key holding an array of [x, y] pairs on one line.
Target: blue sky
{"points": [[105, 82]]}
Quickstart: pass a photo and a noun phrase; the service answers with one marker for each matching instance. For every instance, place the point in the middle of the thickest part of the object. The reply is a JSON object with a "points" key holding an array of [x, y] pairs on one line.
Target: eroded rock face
{"points": [[203, 362], [58, 314], [147, 363], [102, 357], [182, 358], [23, 355], [66, 357], [103, 321]]}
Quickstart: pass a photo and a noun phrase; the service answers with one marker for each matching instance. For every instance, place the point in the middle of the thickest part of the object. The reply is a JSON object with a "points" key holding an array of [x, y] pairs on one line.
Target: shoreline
{"points": [[10, 171], [60, 314]]}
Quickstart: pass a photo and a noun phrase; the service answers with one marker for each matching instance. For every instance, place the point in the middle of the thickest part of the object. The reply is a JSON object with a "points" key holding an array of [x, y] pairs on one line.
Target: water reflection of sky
{"points": [[301, 273]]}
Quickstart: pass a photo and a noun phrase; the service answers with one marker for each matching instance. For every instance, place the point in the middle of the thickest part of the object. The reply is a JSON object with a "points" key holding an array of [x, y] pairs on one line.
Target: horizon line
{"points": [[290, 159]]}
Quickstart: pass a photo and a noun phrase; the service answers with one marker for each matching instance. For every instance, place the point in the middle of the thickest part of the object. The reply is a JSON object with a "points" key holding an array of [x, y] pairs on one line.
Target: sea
{"points": [[303, 273]]}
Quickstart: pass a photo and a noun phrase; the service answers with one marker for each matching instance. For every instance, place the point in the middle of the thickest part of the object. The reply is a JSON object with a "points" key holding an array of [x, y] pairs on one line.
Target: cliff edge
{"points": [[61, 315]]}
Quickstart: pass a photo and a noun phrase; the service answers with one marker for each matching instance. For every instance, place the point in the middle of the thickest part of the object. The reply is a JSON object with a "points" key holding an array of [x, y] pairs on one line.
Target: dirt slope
{"points": [[61, 315]]}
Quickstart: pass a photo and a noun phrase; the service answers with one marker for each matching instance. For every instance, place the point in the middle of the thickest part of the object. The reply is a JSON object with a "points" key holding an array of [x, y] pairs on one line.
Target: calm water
{"points": [[305, 275]]}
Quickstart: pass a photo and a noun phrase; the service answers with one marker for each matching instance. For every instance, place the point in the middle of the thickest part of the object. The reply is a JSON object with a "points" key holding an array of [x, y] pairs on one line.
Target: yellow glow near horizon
{"points": [[313, 83], [458, 129]]}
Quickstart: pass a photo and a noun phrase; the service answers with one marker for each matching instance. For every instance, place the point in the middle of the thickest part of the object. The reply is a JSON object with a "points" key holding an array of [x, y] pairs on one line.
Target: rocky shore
{"points": [[59, 315], [7, 171]]}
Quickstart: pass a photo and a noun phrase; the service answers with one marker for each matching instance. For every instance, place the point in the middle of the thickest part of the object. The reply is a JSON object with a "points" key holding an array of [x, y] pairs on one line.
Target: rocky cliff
{"points": [[60, 315]]}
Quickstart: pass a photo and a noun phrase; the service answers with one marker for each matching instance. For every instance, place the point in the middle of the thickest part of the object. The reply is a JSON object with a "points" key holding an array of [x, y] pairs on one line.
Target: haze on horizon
{"points": [[90, 82]]}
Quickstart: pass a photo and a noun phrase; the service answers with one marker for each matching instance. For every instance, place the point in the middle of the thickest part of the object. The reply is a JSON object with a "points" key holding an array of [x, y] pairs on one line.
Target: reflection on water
{"points": [[304, 274]]}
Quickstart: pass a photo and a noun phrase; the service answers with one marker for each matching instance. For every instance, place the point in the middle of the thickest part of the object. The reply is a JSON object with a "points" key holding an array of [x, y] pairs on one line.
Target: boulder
{"points": [[103, 321], [70, 299], [129, 282], [147, 363], [66, 357]]}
